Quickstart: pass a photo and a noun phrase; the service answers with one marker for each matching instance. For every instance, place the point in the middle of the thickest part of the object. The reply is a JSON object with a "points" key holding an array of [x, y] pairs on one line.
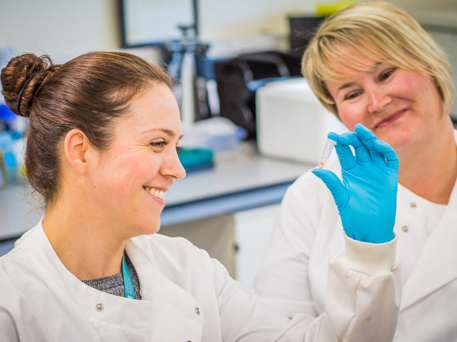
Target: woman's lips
{"points": [[391, 118], [155, 198]]}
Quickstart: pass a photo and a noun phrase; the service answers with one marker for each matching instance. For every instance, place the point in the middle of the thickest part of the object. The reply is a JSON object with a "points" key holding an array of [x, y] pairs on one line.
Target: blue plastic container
{"points": [[9, 159], [196, 159], [7, 117]]}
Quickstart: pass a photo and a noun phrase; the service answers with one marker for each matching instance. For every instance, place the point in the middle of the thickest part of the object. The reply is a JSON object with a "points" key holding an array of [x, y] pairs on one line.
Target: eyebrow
{"points": [[344, 86], [347, 85], [168, 132]]}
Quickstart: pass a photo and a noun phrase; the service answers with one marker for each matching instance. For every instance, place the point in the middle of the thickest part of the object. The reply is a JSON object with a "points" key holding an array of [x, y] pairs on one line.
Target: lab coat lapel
{"points": [[437, 264], [173, 310]]}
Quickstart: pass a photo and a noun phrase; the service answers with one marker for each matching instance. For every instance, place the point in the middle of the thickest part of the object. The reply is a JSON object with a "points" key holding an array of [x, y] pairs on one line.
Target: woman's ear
{"points": [[76, 147]]}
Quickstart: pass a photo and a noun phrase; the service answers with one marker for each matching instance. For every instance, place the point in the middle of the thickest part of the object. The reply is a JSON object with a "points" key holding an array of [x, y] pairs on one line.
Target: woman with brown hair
{"points": [[102, 151], [373, 64]]}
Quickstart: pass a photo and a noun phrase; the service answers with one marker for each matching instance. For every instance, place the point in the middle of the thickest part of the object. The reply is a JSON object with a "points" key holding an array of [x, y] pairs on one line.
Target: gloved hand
{"points": [[367, 198]]}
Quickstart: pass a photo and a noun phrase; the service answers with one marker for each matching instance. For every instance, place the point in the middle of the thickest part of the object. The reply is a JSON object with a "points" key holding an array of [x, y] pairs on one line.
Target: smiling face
{"points": [[400, 106], [131, 177]]}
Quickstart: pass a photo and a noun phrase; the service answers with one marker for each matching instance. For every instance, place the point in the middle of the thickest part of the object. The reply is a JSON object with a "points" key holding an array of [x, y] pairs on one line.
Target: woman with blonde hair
{"points": [[373, 64]]}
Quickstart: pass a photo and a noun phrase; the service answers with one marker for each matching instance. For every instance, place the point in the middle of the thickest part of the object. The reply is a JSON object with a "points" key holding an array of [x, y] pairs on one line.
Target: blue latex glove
{"points": [[367, 198]]}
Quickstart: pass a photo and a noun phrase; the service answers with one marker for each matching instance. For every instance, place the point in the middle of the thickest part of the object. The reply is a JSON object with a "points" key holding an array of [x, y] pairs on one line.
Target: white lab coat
{"points": [[306, 234], [187, 296]]}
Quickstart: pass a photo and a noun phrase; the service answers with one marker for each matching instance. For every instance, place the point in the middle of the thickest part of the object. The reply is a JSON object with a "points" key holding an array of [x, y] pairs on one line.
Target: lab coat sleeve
{"points": [[362, 302]]}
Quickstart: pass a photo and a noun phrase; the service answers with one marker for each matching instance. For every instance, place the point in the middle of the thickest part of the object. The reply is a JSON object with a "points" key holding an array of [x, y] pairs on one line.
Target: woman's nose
{"points": [[378, 99], [172, 167]]}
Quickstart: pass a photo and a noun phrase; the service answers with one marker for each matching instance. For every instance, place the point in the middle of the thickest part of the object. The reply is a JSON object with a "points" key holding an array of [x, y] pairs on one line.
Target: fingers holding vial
{"points": [[366, 194], [367, 147]]}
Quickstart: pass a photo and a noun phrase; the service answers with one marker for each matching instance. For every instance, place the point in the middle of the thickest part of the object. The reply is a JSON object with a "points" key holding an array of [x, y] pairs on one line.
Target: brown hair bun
{"points": [[15, 76]]}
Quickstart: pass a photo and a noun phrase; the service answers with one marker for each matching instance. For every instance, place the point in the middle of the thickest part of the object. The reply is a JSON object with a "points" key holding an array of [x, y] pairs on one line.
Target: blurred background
{"points": [[250, 121]]}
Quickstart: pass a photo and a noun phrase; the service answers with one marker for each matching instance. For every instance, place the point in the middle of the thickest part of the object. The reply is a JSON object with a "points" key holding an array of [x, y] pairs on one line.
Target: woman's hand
{"points": [[367, 198]]}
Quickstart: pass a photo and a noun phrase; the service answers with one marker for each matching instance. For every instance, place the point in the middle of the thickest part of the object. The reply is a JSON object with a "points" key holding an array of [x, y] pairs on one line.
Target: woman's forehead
{"points": [[346, 62], [154, 109]]}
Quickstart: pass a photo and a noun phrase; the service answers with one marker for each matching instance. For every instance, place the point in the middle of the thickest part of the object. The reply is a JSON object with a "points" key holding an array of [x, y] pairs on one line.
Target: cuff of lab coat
{"points": [[372, 259]]}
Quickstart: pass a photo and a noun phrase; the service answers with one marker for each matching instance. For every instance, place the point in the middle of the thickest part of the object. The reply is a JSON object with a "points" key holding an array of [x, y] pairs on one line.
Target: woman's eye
{"points": [[179, 148], [159, 144], [352, 95], [386, 74]]}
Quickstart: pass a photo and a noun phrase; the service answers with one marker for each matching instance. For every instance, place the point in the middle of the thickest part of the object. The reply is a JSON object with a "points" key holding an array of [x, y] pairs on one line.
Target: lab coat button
{"points": [[197, 311], [413, 205], [404, 228], [99, 307]]}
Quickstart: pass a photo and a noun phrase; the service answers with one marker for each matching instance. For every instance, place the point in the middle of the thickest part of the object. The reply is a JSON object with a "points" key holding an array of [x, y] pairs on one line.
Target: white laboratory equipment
{"points": [[292, 123]]}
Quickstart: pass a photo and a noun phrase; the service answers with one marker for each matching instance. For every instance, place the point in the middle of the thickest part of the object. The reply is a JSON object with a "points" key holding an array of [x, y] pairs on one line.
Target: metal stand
{"points": [[191, 95]]}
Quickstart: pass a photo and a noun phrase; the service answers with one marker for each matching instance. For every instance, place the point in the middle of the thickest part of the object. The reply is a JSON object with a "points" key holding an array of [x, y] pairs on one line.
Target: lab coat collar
{"points": [[165, 313], [437, 264]]}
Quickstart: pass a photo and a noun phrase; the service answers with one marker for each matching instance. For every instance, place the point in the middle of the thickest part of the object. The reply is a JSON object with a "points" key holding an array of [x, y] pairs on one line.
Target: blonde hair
{"points": [[379, 31]]}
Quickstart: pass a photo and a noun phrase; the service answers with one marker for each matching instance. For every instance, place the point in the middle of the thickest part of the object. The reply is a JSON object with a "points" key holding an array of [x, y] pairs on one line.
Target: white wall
{"points": [[61, 28], [66, 28], [406, 4], [222, 18]]}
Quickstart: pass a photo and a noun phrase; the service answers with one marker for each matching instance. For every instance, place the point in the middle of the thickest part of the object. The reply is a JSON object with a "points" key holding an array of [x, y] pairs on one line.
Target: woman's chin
{"points": [[151, 229], [147, 227], [398, 139]]}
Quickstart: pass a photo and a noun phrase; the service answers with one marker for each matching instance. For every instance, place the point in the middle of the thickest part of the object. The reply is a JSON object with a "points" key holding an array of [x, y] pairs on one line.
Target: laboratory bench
{"points": [[200, 207]]}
